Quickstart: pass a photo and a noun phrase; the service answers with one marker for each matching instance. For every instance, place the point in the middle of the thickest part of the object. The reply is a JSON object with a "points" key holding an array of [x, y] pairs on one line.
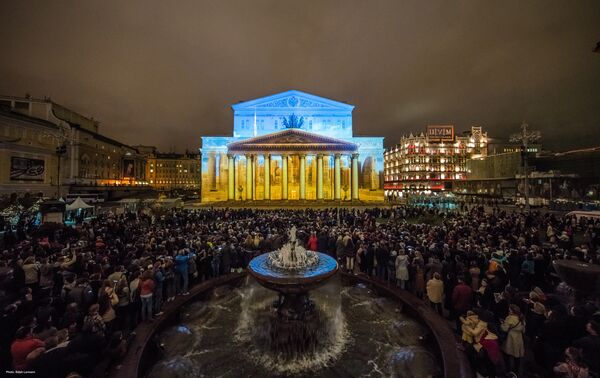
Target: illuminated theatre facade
{"points": [[292, 146]]}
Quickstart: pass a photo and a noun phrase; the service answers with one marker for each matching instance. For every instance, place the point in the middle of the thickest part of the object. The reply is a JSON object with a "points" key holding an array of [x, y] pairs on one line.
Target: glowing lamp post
{"points": [[62, 138], [60, 152]]}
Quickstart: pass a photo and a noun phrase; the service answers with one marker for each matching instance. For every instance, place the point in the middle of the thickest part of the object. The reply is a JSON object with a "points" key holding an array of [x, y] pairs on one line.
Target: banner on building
{"points": [[128, 168], [26, 169], [443, 133]]}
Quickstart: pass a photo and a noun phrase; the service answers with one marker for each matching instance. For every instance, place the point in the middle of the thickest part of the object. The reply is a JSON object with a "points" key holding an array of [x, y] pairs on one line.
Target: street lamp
{"points": [[60, 151], [62, 138], [525, 137]]}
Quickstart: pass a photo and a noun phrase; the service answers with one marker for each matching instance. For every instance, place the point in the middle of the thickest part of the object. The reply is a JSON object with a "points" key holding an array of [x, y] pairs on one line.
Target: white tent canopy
{"points": [[78, 204]]}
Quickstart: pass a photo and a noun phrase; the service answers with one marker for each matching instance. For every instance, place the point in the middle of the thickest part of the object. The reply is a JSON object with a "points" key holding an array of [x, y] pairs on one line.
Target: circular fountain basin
{"points": [[292, 281], [580, 276]]}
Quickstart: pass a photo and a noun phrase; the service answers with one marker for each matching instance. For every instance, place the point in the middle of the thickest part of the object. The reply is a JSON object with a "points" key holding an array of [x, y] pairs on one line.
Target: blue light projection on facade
{"points": [[317, 120]]}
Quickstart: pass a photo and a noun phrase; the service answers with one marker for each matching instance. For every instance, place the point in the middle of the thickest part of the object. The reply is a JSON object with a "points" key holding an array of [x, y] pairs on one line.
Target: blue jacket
{"points": [[159, 277], [181, 262]]}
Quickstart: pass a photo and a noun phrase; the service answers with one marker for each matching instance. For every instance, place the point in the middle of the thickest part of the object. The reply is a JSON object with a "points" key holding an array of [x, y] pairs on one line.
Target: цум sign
{"points": [[440, 133]]}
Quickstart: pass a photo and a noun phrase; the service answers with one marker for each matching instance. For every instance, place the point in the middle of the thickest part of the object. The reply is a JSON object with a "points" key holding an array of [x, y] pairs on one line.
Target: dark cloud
{"points": [[165, 73]]}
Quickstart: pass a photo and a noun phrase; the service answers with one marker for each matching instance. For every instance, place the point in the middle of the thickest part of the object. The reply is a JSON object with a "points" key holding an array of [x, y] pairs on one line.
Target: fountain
{"points": [[337, 331], [293, 271]]}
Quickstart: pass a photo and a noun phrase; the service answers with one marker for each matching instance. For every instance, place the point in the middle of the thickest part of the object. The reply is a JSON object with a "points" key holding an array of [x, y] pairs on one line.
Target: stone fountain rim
{"points": [[294, 277], [583, 266]]}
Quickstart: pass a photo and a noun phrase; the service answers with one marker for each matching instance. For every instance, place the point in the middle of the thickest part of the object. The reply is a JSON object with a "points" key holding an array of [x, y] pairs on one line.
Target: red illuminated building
{"points": [[430, 162]]}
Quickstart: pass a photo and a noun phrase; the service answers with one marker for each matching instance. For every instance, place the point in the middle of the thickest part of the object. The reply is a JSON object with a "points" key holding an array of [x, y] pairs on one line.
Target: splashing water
{"points": [[254, 331]]}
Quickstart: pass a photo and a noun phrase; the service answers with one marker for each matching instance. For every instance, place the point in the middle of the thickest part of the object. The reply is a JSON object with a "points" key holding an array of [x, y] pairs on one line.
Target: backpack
{"points": [[137, 299], [494, 266], [87, 296]]}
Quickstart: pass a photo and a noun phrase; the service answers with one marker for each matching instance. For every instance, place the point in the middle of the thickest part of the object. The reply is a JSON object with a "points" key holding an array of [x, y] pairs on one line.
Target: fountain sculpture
{"points": [[293, 271], [293, 257]]}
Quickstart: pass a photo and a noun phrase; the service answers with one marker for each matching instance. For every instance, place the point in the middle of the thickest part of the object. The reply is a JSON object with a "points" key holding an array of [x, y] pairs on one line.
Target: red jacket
{"points": [[492, 348], [20, 348], [312, 243], [462, 297], [147, 287]]}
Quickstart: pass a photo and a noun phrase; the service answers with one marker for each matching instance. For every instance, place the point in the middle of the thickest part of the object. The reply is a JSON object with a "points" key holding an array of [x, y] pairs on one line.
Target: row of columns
{"points": [[251, 174]]}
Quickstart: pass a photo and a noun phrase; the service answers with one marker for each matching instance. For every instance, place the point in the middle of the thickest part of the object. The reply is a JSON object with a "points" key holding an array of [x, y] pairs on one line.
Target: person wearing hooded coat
{"points": [[401, 264], [435, 292], [513, 345], [32, 273]]}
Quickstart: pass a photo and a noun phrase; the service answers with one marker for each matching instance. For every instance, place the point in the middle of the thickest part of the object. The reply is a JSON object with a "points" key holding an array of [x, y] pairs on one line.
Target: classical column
{"points": [[254, 163], [284, 177], [354, 176], [302, 177], [231, 177], [212, 171], [249, 180], [267, 177], [337, 178], [320, 176]]}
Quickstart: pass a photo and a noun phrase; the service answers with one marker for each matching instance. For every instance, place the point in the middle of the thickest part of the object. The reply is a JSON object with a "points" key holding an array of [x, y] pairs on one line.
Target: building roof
{"points": [[292, 140], [59, 111], [292, 99], [101, 137], [579, 151], [174, 156], [6, 111], [25, 99]]}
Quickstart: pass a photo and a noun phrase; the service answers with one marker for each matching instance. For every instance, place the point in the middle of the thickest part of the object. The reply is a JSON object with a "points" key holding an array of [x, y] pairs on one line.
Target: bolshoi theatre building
{"points": [[292, 146]]}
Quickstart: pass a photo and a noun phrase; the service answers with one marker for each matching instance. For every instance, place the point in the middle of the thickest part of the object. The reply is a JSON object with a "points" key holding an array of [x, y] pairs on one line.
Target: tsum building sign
{"points": [[443, 133]]}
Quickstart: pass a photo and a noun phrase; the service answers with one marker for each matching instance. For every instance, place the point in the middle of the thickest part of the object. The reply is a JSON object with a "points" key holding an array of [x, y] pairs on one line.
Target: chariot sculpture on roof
{"points": [[293, 122]]}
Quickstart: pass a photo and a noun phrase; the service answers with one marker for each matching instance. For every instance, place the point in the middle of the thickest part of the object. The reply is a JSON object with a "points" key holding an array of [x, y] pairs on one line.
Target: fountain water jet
{"points": [[292, 256]]}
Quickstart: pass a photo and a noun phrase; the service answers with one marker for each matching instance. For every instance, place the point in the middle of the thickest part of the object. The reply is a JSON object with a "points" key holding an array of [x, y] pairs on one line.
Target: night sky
{"points": [[165, 73]]}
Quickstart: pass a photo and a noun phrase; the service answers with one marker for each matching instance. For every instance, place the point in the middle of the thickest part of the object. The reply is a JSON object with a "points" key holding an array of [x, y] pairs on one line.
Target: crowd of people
{"points": [[72, 297]]}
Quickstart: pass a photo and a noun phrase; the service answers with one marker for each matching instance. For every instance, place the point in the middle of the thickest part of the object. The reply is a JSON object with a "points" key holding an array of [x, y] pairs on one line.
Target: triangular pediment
{"points": [[292, 100], [292, 139]]}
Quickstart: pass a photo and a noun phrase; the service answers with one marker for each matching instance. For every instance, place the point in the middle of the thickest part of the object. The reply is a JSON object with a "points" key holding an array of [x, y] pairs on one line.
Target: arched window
{"points": [[84, 167]]}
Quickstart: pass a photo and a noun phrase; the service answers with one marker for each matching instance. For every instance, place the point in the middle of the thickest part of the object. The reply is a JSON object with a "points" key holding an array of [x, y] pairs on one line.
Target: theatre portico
{"points": [[292, 146]]}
